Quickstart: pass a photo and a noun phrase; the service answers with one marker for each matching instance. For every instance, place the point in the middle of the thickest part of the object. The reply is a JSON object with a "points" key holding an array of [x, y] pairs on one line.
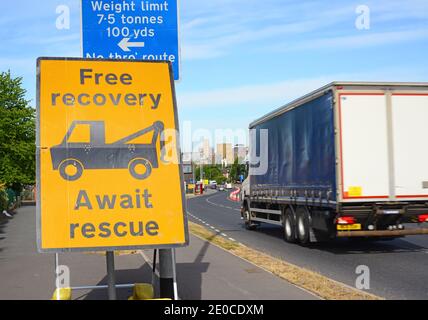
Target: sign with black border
{"points": [[109, 175]]}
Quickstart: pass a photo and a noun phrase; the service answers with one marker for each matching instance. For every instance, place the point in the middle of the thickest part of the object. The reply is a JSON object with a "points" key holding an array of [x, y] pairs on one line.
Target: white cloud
{"points": [[49, 40], [390, 10], [252, 23], [201, 51], [243, 96], [221, 27], [365, 39], [274, 94]]}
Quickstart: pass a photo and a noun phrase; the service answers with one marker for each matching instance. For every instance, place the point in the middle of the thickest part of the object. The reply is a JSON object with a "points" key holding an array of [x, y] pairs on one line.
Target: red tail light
{"points": [[345, 220], [423, 218]]}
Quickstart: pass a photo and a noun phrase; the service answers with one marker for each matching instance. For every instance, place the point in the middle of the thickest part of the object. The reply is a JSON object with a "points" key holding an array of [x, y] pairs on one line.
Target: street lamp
{"points": [[201, 172]]}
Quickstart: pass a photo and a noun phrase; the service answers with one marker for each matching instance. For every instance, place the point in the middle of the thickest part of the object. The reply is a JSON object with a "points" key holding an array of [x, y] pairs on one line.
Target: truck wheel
{"points": [[140, 168], [70, 170], [247, 220], [289, 225], [303, 228]]}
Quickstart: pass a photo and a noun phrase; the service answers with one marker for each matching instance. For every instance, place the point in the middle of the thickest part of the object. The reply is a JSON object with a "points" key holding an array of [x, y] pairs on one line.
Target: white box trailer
{"points": [[347, 160], [391, 164]]}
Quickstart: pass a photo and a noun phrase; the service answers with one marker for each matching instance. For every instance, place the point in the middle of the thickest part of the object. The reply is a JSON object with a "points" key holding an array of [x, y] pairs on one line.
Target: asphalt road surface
{"points": [[398, 268], [26, 274]]}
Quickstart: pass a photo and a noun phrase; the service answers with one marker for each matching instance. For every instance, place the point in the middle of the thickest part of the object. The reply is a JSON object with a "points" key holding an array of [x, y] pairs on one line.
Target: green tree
{"points": [[17, 134], [234, 171], [220, 179], [237, 170], [211, 172]]}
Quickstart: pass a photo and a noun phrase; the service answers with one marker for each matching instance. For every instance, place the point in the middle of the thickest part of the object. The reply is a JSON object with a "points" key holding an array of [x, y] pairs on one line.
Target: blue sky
{"points": [[243, 58]]}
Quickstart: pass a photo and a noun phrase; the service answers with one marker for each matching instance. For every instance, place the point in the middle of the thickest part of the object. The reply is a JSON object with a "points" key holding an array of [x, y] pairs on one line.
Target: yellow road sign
{"points": [[107, 156]]}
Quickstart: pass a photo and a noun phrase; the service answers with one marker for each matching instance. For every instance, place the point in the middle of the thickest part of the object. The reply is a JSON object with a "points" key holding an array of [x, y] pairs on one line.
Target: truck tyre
{"points": [[134, 168], [303, 227], [289, 225], [247, 220], [70, 164]]}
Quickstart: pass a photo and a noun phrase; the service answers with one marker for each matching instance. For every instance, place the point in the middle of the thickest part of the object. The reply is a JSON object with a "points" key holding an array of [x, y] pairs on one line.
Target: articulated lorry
{"points": [[347, 160]]}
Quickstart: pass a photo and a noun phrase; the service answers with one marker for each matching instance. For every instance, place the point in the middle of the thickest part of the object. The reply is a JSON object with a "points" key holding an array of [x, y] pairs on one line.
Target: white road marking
{"points": [[149, 262], [220, 205], [212, 227]]}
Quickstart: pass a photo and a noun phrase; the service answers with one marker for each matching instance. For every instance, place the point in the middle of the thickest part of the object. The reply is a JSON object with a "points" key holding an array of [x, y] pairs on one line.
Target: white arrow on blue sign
{"points": [[131, 29]]}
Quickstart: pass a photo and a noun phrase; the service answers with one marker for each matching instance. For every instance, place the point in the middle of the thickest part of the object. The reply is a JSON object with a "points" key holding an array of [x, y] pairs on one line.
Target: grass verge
{"points": [[316, 283], [116, 252]]}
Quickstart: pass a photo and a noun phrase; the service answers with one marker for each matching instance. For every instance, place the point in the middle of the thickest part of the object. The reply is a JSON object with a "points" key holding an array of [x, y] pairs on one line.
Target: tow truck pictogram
{"points": [[71, 158]]}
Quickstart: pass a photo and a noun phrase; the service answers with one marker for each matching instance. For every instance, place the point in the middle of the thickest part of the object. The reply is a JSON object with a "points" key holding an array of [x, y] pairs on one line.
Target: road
{"points": [[26, 274], [398, 268]]}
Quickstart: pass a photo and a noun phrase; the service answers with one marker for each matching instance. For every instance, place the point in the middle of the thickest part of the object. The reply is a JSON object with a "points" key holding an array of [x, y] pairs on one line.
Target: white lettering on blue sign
{"points": [[130, 29]]}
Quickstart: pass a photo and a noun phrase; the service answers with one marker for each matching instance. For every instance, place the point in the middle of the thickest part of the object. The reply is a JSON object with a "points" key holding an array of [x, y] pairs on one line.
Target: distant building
{"points": [[187, 166], [240, 152], [224, 154], [206, 152], [188, 172], [187, 157]]}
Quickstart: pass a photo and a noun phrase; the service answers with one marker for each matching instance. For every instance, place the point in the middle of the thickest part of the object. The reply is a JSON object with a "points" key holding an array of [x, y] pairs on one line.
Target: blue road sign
{"points": [[131, 29]]}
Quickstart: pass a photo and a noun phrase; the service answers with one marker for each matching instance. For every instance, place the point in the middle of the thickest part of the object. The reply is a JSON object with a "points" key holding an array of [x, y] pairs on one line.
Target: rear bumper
{"points": [[382, 233], [383, 215]]}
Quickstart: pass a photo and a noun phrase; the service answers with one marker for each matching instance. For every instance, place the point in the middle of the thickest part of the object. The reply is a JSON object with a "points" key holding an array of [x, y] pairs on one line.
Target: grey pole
{"points": [[193, 167], [174, 273], [111, 279], [201, 170], [166, 273], [56, 276], [56, 267]]}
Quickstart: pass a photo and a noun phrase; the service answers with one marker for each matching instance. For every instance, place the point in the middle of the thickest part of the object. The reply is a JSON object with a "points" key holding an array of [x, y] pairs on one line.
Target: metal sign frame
{"points": [[38, 164]]}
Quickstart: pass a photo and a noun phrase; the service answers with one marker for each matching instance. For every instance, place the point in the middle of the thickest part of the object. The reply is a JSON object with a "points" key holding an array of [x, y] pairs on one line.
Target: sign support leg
{"points": [[174, 273], [111, 281], [154, 267], [56, 276], [166, 273]]}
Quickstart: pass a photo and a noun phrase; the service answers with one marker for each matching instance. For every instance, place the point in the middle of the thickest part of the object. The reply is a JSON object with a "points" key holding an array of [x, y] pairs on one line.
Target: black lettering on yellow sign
{"points": [[89, 77], [118, 229], [110, 78], [105, 202], [108, 142]]}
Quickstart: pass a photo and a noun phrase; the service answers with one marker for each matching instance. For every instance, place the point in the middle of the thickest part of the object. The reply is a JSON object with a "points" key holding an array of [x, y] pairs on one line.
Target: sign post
{"points": [[166, 273], [111, 278], [107, 140], [131, 29]]}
